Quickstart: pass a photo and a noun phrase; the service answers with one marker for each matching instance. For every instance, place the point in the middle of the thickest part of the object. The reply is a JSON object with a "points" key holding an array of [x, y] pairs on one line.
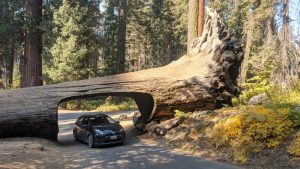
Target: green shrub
{"points": [[295, 117], [248, 129], [121, 106], [179, 113], [81, 104], [254, 86], [101, 104]]}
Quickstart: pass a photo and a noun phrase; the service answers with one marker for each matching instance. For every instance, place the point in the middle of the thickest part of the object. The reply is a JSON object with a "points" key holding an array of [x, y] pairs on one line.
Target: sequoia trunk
{"points": [[31, 74]]}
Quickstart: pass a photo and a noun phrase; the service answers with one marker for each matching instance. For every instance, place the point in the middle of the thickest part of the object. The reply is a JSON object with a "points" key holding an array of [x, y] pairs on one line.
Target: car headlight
{"points": [[121, 130], [98, 132]]}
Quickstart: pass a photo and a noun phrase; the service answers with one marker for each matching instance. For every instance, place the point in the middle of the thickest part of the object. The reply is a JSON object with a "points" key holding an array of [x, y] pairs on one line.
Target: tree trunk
{"points": [[204, 79], [122, 35], [7, 65], [10, 67], [31, 74], [201, 17], [192, 22], [270, 33], [249, 41], [2, 71], [289, 56]]}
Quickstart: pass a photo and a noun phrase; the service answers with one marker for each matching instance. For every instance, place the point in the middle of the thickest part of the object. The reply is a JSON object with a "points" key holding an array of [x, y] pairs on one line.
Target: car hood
{"points": [[107, 128]]}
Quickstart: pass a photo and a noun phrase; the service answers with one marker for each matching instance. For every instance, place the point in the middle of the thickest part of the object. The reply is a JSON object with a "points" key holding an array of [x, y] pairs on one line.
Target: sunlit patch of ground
{"points": [[139, 152]]}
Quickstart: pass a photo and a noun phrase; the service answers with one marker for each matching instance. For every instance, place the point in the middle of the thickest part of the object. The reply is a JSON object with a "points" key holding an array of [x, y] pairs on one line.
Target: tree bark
{"points": [[10, 66], [270, 33], [2, 70], [201, 17], [289, 56], [192, 22], [249, 41], [7, 66], [31, 74], [204, 79], [122, 35]]}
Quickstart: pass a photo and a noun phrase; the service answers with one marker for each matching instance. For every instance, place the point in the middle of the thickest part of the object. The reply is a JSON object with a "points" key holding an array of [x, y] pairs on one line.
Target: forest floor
{"points": [[140, 151], [204, 134]]}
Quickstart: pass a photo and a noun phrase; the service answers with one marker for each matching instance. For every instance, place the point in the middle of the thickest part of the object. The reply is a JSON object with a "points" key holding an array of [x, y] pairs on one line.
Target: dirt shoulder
{"points": [[19, 153]]}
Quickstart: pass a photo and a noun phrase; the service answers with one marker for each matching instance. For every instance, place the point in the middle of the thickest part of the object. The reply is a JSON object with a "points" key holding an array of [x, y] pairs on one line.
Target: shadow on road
{"points": [[135, 154]]}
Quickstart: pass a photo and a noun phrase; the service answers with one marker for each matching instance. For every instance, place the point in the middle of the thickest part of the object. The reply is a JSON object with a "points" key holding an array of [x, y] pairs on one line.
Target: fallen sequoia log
{"points": [[204, 79]]}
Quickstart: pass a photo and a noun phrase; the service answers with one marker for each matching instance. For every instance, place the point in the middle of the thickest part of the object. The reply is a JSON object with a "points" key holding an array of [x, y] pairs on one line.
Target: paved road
{"points": [[136, 154]]}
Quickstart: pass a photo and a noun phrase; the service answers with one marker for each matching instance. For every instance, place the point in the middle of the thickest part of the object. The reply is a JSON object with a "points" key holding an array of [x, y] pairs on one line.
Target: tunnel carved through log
{"points": [[204, 79]]}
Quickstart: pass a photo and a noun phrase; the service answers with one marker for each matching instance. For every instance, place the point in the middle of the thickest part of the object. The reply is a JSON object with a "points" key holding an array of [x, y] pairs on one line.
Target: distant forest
{"points": [[51, 41]]}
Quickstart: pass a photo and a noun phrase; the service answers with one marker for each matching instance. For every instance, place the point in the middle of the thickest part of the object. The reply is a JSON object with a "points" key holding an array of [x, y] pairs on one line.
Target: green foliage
{"points": [[11, 37], [286, 98], [83, 104], [179, 113], [76, 41], [110, 37], [121, 106], [255, 128], [108, 104], [295, 117], [246, 130], [156, 32], [254, 86], [16, 77]]}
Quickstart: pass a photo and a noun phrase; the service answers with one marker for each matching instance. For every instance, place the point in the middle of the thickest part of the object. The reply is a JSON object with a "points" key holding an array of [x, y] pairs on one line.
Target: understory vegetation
{"points": [[245, 130], [101, 104]]}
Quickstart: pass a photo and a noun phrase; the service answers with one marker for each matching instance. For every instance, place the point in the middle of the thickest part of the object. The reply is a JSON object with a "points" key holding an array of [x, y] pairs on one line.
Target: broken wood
{"points": [[204, 79]]}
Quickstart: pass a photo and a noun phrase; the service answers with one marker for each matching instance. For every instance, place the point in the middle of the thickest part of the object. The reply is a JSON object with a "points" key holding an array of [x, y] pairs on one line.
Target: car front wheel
{"points": [[75, 136], [91, 141]]}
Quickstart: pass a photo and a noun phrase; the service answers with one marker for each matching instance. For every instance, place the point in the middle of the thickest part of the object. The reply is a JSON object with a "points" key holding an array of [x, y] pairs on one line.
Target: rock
{"points": [[123, 117], [151, 126], [160, 131], [162, 128], [258, 99], [297, 108], [178, 133], [135, 114], [172, 123]]}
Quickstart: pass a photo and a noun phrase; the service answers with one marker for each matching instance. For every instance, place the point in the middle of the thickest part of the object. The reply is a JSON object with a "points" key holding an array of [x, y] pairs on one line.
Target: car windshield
{"points": [[102, 120]]}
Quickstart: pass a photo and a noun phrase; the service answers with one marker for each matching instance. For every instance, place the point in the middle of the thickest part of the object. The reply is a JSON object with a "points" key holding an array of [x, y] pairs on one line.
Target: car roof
{"points": [[94, 115]]}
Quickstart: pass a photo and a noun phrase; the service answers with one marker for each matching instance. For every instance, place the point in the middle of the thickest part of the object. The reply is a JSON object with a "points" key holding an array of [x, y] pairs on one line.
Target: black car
{"points": [[98, 130]]}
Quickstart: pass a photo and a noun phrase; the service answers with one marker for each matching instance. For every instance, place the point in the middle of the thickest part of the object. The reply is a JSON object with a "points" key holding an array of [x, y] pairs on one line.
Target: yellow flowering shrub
{"points": [[294, 148], [254, 128], [247, 129]]}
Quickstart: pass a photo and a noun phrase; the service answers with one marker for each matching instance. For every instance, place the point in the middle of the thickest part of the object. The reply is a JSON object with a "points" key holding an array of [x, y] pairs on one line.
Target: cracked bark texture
{"points": [[204, 79]]}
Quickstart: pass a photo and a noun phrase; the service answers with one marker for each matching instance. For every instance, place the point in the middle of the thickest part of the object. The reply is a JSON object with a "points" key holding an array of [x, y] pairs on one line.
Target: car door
{"points": [[84, 129], [78, 127]]}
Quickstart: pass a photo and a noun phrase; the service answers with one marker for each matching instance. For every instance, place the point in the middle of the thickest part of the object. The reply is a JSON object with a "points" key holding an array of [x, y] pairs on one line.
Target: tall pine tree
{"points": [[77, 42]]}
